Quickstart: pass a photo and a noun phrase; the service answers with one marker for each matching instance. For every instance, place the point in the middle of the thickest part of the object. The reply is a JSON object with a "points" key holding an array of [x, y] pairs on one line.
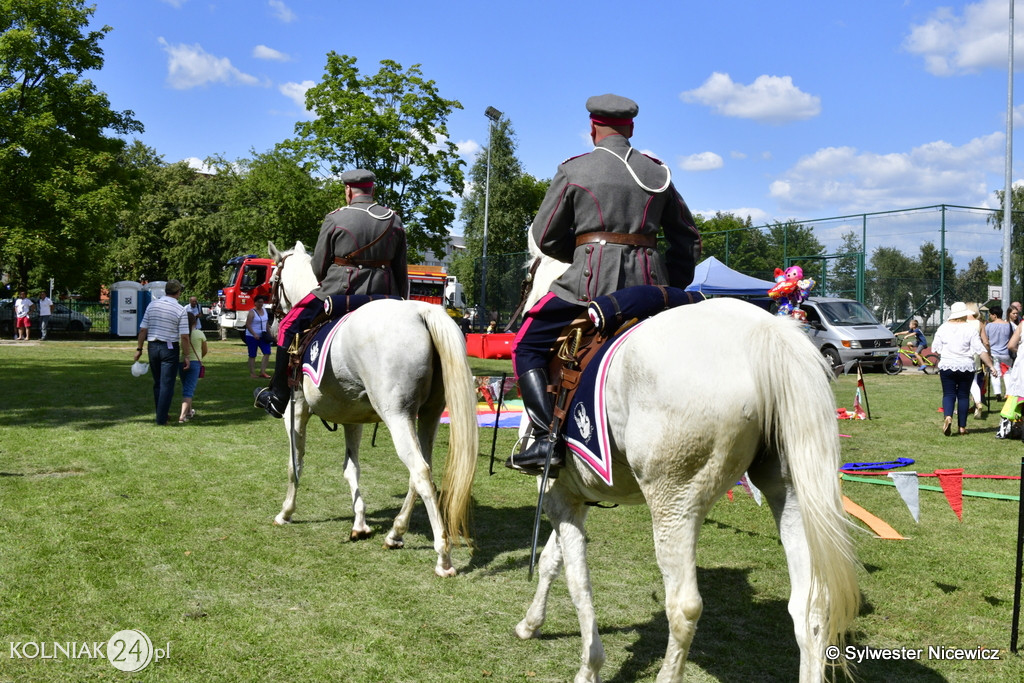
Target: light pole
{"points": [[494, 116]]}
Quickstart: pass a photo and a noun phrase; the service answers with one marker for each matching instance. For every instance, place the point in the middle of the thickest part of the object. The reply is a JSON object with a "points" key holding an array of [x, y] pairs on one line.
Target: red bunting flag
{"points": [[952, 483]]}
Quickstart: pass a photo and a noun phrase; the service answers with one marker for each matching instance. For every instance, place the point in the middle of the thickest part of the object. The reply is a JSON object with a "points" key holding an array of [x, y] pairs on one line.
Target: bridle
{"points": [[277, 292]]}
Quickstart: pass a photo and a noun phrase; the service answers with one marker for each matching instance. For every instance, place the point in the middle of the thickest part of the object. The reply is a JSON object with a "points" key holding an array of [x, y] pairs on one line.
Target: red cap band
{"points": [[360, 185], [608, 121]]}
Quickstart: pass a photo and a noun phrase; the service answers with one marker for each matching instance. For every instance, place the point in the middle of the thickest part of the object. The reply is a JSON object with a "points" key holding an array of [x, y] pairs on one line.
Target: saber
{"points": [[567, 354]]}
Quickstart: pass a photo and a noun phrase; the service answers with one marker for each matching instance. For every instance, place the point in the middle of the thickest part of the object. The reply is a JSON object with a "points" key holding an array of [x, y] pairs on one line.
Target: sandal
{"points": [[947, 426], [963, 431]]}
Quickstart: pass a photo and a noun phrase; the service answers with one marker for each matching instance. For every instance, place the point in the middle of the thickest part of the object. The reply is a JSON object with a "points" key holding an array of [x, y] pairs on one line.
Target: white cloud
{"points": [[468, 148], [175, 3], [189, 66], [269, 53], [769, 99], [855, 181], [200, 165], [296, 92], [737, 155], [953, 44], [282, 11], [702, 161]]}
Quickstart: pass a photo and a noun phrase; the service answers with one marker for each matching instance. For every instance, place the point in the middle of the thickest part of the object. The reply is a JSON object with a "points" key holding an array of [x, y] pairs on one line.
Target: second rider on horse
{"points": [[361, 250], [602, 213]]}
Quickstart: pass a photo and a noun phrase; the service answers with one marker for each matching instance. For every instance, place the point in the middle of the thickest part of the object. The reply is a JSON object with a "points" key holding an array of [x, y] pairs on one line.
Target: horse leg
{"points": [[353, 435], [394, 539], [778, 490], [426, 432], [406, 442], [677, 524], [547, 569], [568, 519], [298, 430]]}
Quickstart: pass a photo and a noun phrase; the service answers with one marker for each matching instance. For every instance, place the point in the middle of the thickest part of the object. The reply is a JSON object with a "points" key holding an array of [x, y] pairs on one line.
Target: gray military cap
{"points": [[358, 177], [612, 110]]}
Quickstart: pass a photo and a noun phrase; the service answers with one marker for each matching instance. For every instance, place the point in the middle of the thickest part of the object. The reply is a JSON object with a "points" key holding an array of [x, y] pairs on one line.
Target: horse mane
{"points": [[301, 280]]}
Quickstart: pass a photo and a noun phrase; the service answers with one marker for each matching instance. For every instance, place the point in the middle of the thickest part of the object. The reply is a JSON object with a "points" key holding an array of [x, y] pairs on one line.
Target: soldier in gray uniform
{"points": [[601, 214], [361, 250]]}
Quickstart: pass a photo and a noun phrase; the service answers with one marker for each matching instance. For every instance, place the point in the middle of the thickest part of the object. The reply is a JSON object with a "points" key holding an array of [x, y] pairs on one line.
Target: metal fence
{"points": [[964, 233]]}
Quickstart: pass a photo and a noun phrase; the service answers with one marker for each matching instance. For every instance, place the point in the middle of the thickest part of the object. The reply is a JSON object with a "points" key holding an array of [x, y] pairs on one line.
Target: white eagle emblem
{"points": [[314, 351], [583, 422]]}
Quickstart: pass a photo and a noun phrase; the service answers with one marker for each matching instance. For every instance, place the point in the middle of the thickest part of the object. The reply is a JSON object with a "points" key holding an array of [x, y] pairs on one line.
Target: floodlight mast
{"points": [[493, 116]]}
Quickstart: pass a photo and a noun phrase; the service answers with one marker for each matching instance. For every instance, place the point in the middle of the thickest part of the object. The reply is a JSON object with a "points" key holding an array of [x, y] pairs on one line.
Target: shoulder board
{"points": [[340, 208], [655, 160], [575, 157]]}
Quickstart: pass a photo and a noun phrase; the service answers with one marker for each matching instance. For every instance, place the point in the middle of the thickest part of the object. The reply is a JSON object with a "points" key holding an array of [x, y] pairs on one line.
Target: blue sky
{"points": [[803, 109]]}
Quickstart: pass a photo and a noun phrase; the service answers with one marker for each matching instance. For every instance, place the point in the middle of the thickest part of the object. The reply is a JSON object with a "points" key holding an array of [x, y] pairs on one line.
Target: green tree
{"points": [[843, 273], [791, 240], [1017, 241], [63, 181], [393, 123], [931, 271], [276, 197], [973, 282], [137, 248], [178, 229], [515, 198], [888, 283], [734, 242]]}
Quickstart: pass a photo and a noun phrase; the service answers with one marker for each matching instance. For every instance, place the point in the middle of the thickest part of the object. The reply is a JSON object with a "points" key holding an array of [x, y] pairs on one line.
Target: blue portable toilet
{"points": [[125, 308]]}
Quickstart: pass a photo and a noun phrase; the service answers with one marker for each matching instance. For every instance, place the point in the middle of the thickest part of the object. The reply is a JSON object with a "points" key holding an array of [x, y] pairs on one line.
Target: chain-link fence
{"points": [[845, 266]]}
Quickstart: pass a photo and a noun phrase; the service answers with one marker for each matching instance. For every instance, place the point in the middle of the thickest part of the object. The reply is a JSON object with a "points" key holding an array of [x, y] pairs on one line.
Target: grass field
{"points": [[111, 523]]}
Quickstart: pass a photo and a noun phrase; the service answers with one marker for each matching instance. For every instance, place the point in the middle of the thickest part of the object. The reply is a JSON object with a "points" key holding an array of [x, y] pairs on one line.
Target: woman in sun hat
{"points": [[957, 342]]}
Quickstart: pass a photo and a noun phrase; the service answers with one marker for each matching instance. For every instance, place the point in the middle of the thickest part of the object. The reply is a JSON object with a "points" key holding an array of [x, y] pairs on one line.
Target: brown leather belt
{"points": [[360, 263], [633, 240]]}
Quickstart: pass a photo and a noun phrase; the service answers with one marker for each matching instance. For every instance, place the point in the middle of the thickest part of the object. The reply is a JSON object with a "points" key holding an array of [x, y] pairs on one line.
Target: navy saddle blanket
{"points": [[586, 424], [336, 309]]}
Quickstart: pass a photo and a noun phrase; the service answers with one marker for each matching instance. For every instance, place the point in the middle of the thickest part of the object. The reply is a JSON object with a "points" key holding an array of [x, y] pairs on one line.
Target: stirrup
{"points": [[533, 464], [266, 399]]}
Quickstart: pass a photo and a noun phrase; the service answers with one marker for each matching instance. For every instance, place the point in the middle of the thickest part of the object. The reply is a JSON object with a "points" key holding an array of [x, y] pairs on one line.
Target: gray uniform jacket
{"points": [[350, 228], [596, 192]]}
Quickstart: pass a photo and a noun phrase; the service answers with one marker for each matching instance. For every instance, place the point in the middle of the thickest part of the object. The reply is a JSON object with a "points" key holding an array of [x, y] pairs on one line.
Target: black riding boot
{"points": [[539, 406], [274, 398]]}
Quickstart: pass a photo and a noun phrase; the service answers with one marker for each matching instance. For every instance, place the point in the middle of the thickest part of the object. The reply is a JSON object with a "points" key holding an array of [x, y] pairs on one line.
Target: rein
{"points": [[277, 293]]}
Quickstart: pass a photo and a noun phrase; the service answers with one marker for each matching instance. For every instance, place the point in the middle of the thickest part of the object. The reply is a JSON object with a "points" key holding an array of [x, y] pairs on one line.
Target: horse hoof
{"points": [[392, 544], [281, 521], [445, 573], [524, 632], [359, 535]]}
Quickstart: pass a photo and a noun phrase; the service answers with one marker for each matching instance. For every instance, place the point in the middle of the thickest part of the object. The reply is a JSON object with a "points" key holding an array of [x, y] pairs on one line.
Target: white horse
{"points": [[697, 396], [390, 361]]}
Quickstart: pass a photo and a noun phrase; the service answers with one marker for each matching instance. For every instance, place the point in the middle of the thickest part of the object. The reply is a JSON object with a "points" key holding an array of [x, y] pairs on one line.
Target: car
{"points": [[844, 330], [62, 318]]}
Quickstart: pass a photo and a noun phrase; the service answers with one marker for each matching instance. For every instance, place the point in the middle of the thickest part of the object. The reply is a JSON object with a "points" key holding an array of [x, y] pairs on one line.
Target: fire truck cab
{"points": [[247, 277]]}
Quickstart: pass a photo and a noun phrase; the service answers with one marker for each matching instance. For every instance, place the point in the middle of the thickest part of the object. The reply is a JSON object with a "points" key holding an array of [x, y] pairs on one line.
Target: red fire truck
{"points": [[247, 277]]}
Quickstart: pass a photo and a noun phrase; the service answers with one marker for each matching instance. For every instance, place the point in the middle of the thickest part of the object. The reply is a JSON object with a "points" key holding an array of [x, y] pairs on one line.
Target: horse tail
{"points": [[800, 421], [463, 443]]}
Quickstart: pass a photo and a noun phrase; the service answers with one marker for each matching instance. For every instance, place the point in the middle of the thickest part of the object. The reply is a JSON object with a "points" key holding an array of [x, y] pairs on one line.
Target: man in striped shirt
{"points": [[165, 327]]}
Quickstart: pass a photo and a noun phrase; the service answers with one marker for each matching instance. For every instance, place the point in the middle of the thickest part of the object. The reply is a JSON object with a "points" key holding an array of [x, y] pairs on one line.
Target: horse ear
{"points": [[274, 252]]}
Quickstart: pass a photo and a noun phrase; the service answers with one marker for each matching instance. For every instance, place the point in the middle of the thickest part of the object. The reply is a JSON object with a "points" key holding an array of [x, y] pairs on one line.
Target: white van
{"points": [[845, 330]]}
